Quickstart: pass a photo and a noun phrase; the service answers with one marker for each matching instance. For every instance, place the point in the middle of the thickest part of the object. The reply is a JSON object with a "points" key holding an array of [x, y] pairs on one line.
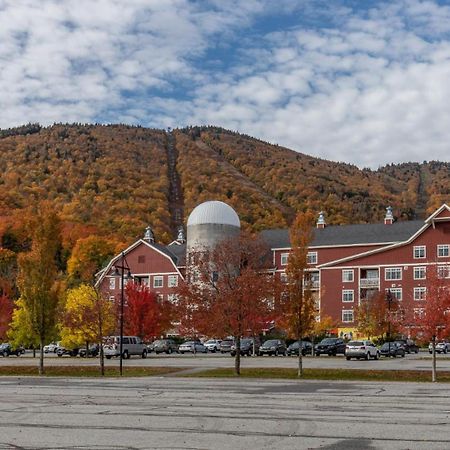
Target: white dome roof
{"points": [[214, 212]]}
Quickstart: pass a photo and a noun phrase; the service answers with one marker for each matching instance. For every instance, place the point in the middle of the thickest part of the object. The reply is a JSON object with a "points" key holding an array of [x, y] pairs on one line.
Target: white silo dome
{"points": [[213, 212]]}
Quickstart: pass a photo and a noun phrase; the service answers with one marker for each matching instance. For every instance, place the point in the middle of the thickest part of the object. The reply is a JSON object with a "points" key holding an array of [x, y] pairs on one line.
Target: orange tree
{"points": [[431, 321], [146, 315], [299, 306], [228, 291]]}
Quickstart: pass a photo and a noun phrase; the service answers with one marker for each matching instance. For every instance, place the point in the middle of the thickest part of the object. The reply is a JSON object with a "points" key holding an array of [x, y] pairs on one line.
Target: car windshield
{"points": [[188, 343], [295, 345], [158, 342], [328, 341], [246, 341], [355, 343], [272, 342], [211, 341], [227, 342]]}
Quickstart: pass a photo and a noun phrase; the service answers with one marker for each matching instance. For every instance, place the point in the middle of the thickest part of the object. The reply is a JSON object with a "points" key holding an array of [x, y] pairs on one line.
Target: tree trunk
{"points": [[433, 358], [300, 363], [102, 360], [237, 357], [313, 352], [41, 357]]}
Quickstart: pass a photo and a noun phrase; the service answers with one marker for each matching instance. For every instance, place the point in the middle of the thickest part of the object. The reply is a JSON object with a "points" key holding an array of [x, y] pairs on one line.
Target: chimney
{"points": [[148, 236], [321, 220], [389, 217]]}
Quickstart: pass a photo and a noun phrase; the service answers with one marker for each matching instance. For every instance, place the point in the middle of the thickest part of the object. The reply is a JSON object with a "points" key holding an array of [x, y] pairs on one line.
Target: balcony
{"points": [[367, 283]]}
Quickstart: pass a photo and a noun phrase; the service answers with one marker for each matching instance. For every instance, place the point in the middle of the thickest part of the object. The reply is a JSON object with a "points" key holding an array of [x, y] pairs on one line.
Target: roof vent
{"points": [[389, 217], [149, 236], [321, 220]]}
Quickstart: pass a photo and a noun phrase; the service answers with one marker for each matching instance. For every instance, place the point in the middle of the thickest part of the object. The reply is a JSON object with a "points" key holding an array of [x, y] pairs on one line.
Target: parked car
{"points": [[225, 345], [192, 347], [394, 349], [165, 346], [7, 349], [52, 347], [67, 351], [246, 346], [131, 345], [93, 351], [440, 347], [293, 349], [361, 349], [213, 345], [409, 345], [330, 347], [273, 347]]}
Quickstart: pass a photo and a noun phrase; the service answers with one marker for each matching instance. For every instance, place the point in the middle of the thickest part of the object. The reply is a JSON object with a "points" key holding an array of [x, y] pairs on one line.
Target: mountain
{"points": [[115, 180]]}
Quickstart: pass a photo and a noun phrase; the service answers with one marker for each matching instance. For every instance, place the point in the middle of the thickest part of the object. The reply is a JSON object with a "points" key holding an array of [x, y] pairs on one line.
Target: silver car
{"points": [[361, 349]]}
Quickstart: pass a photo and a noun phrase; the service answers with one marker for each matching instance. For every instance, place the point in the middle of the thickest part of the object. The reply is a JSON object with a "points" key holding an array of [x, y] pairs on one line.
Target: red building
{"points": [[348, 263]]}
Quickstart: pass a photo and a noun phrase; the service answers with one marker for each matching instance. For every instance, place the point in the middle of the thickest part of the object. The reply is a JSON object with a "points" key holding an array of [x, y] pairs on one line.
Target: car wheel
{"points": [[169, 351], [276, 353], [403, 355], [108, 357], [144, 354], [125, 355], [445, 351], [367, 357], [182, 352], [348, 358], [59, 355], [377, 356]]}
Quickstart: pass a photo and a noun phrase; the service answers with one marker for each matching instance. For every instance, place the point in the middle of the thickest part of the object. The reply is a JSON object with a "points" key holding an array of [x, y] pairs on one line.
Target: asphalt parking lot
{"points": [[172, 413]]}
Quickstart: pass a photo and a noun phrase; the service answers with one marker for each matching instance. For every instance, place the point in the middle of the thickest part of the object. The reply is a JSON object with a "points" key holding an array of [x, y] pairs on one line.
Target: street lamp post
{"points": [[389, 302], [123, 266]]}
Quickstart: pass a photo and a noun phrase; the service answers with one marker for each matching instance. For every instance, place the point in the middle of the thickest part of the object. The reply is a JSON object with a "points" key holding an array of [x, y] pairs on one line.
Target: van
{"points": [[131, 345]]}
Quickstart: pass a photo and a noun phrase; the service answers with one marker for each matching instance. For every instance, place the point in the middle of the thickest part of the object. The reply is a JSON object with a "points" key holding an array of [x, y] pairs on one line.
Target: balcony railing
{"points": [[369, 282]]}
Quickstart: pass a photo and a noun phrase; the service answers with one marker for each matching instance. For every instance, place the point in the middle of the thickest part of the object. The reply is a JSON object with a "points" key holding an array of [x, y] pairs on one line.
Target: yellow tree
{"points": [[87, 317], [21, 330], [299, 304], [38, 275]]}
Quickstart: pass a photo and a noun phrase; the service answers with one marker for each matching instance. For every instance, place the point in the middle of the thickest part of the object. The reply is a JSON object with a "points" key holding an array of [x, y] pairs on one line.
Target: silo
{"points": [[209, 223]]}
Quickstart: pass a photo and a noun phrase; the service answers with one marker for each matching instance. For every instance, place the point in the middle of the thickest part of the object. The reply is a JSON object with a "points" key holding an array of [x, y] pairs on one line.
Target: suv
{"points": [[306, 347], [213, 345], [131, 345], [7, 350], [440, 347], [330, 347], [409, 345], [361, 349], [225, 345], [165, 346], [273, 347], [246, 347]]}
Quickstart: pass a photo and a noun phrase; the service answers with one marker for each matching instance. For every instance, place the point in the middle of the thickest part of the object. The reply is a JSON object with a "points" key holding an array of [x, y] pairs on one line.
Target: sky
{"points": [[364, 82]]}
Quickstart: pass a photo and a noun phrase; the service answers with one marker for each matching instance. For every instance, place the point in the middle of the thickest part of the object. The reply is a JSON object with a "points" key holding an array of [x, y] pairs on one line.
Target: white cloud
{"points": [[368, 86]]}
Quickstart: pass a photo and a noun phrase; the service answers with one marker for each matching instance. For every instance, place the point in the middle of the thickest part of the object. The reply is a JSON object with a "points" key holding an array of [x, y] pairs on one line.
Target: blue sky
{"points": [[365, 82]]}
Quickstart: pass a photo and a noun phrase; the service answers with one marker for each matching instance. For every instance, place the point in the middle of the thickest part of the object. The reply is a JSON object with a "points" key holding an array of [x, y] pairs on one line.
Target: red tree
{"points": [[431, 321], [145, 315], [6, 310]]}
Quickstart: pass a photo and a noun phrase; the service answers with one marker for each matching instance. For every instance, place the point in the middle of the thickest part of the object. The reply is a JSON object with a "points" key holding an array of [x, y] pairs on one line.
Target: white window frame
{"points": [[112, 283], [443, 272], [348, 312], [397, 293], [311, 258], [350, 293], [444, 248], [417, 251], [158, 278], [284, 259], [420, 293], [346, 279], [172, 281], [391, 270], [283, 277], [422, 270]]}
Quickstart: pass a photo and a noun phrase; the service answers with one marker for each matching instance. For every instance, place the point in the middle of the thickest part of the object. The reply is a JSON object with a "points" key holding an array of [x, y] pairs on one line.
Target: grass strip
{"points": [[326, 374], [86, 371]]}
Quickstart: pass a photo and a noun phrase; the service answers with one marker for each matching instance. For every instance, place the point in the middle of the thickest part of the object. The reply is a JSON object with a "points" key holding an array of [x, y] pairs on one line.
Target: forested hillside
{"points": [[112, 181]]}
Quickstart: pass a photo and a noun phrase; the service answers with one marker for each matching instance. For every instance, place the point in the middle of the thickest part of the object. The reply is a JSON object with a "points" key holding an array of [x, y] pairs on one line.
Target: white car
{"points": [[52, 347], [213, 345], [441, 347], [361, 349]]}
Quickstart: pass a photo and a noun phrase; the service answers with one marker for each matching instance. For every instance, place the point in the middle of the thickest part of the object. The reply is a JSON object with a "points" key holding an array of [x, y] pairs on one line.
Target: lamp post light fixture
{"points": [[122, 267]]}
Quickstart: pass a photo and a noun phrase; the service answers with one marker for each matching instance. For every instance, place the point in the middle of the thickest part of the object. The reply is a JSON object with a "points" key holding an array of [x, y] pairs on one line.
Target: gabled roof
{"points": [[178, 252], [342, 235]]}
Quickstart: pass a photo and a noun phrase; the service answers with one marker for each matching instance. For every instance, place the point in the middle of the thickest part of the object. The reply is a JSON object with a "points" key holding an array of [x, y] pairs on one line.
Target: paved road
{"points": [[420, 361], [169, 413]]}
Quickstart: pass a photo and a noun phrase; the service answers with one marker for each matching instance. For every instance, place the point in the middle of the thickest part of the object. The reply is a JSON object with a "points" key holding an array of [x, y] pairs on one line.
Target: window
{"points": [[420, 293], [172, 281], [393, 273], [443, 272], [347, 315], [443, 250], [284, 259], [112, 283], [348, 295], [157, 282], [311, 257], [283, 277], [396, 293], [347, 275], [420, 273], [419, 251]]}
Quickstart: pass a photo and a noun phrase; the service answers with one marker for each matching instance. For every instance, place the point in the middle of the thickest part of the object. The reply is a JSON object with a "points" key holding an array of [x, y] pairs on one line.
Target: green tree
{"points": [[87, 317], [299, 305], [38, 275]]}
